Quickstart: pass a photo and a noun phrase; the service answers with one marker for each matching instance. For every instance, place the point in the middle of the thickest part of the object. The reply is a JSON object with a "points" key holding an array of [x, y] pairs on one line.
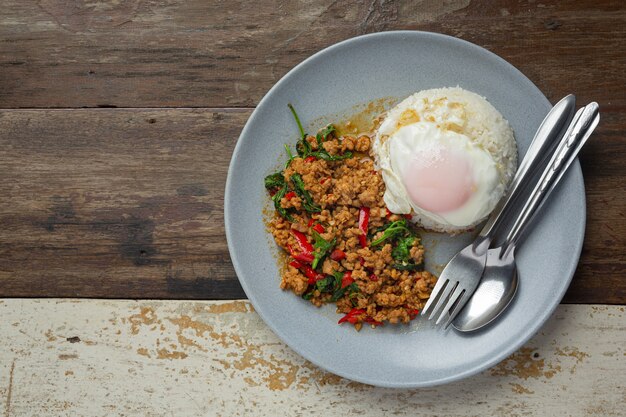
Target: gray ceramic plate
{"points": [[331, 82]]}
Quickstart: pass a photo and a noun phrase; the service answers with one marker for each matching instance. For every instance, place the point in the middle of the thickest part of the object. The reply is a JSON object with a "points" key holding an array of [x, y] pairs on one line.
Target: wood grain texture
{"points": [[128, 203], [58, 53], [114, 358], [116, 203]]}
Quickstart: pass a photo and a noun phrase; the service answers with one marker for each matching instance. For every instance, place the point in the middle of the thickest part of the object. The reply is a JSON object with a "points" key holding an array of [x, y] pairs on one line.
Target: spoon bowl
{"points": [[494, 293]]}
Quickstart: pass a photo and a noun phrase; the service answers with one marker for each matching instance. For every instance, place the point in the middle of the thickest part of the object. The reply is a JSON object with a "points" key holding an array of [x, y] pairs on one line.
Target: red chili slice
{"points": [[311, 274], [370, 320], [310, 159], [351, 317], [311, 221], [295, 264], [303, 242], [319, 228], [364, 219], [347, 279], [290, 195], [408, 216], [373, 278], [304, 257], [413, 312], [337, 255]]}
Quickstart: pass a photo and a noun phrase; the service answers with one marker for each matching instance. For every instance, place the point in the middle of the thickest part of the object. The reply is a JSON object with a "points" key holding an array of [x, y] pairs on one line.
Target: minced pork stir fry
{"points": [[344, 246]]}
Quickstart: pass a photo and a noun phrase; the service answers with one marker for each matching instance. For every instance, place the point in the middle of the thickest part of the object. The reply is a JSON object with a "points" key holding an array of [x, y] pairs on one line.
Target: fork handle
{"points": [[551, 130], [583, 124]]}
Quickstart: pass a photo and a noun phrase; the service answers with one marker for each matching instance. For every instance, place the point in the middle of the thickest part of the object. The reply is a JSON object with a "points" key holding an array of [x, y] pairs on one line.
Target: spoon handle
{"points": [[583, 124], [548, 134]]}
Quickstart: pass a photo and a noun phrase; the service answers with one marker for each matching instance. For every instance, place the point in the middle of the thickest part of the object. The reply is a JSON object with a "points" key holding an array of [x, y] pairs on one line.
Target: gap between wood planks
{"points": [[241, 109], [604, 108]]}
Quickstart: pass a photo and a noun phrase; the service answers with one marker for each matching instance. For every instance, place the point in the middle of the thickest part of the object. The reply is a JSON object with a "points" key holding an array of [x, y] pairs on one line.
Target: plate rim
{"points": [[527, 334]]}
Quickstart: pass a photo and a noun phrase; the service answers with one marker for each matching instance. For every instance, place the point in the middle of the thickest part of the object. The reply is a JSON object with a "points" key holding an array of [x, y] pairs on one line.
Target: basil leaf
{"points": [[289, 156], [351, 289], [307, 201], [409, 266], [397, 228], [323, 134], [303, 148], [402, 251], [295, 116], [323, 154], [276, 199], [322, 248], [275, 180], [325, 285]]}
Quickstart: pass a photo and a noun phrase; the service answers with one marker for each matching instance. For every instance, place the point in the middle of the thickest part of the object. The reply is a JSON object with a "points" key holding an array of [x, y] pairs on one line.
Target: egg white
{"points": [[465, 123], [424, 139]]}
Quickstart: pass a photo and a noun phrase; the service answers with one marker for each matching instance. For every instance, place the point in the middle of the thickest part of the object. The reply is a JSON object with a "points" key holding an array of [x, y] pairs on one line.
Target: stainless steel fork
{"points": [[461, 276]]}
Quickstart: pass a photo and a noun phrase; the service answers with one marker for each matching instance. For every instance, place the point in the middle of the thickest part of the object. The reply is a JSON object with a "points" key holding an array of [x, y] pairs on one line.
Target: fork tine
{"points": [[454, 297], [434, 294], [445, 296], [457, 308]]}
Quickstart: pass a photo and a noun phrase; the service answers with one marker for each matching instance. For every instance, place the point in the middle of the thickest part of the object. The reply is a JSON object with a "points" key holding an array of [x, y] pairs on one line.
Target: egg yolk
{"points": [[439, 180]]}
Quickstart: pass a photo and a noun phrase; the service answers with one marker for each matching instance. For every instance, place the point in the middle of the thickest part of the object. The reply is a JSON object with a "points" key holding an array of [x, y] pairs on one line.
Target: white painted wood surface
{"points": [[180, 358]]}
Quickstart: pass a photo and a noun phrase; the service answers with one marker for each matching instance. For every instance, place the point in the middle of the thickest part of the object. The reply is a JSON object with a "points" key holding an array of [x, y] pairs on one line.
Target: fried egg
{"points": [[447, 156]]}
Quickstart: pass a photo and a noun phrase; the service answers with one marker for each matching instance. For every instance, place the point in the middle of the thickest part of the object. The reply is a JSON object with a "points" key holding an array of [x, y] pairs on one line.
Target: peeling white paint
{"points": [[179, 358]]}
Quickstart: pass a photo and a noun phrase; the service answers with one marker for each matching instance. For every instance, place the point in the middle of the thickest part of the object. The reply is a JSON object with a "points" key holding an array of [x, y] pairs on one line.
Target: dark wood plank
{"points": [[601, 273], [116, 203], [58, 53], [121, 203]]}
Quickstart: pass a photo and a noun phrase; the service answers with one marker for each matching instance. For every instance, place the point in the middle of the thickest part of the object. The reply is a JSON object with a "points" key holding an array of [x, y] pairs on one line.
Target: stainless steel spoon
{"points": [[500, 277]]}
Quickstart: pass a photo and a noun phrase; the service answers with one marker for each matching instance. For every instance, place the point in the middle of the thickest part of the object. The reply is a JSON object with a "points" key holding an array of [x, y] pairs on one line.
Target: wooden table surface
{"points": [[118, 120]]}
